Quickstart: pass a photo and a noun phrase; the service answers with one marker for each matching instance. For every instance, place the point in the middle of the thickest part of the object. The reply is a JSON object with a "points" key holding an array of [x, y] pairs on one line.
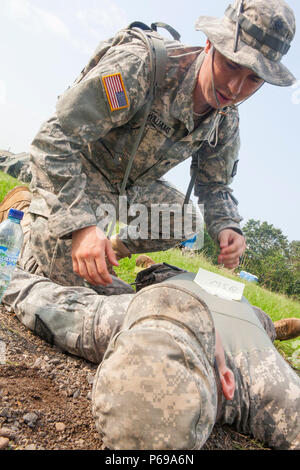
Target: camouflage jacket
{"points": [[88, 137]]}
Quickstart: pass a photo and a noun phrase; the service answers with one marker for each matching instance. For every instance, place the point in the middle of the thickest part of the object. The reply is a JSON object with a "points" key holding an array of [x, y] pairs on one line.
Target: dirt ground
{"points": [[45, 398]]}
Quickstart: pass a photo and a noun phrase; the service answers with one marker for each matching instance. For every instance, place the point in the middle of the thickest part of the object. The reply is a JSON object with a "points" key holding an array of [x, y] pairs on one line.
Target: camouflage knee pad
{"points": [[155, 388]]}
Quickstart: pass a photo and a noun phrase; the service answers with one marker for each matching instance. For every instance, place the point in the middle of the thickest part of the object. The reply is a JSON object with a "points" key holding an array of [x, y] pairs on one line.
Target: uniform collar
{"points": [[183, 106]]}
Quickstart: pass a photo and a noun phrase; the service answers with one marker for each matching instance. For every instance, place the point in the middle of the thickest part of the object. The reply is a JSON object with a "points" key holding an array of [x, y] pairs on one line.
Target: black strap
{"points": [[140, 25], [257, 33], [169, 28], [191, 187], [158, 59]]}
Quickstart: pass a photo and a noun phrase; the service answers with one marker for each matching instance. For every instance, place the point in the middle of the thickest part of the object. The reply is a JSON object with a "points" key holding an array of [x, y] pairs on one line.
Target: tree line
{"points": [[269, 256]]}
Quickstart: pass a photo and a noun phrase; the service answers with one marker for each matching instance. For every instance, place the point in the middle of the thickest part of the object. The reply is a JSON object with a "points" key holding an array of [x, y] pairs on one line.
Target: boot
{"points": [[144, 261], [121, 251], [287, 328], [18, 198]]}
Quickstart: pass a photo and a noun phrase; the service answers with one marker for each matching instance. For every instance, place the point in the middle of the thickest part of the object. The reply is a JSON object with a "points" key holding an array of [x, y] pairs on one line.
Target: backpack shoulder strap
{"points": [[157, 51], [169, 28], [158, 62]]}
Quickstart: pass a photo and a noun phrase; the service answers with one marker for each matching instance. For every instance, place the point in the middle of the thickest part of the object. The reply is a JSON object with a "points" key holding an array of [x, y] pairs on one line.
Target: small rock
{"points": [[30, 419], [4, 442], [38, 362], [46, 367], [30, 447], [76, 393], [6, 432], [55, 361], [60, 427], [89, 395], [5, 413], [90, 379], [80, 443]]}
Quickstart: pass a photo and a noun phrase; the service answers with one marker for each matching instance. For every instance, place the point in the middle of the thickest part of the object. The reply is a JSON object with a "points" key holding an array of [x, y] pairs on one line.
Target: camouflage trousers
{"points": [[155, 387]]}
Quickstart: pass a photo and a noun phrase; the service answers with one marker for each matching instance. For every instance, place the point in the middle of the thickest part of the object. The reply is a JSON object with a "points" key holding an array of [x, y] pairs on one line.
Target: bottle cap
{"points": [[16, 214]]}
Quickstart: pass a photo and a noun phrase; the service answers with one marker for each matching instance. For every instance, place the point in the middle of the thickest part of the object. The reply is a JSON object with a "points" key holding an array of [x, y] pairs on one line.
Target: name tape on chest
{"points": [[115, 91], [158, 123]]}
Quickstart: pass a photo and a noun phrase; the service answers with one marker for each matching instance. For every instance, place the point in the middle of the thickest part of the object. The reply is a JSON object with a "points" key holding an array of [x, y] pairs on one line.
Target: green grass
{"points": [[276, 305], [6, 184]]}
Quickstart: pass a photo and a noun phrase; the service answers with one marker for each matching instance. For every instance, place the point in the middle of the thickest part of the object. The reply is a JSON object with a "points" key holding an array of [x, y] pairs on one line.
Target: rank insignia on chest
{"points": [[115, 91]]}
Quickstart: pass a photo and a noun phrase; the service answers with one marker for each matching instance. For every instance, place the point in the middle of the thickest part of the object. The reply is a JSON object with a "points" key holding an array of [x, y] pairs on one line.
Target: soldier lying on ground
{"points": [[159, 385], [165, 379]]}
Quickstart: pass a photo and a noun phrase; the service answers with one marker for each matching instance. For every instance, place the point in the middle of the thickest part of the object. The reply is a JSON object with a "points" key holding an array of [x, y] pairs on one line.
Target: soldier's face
{"points": [[233, 83]]}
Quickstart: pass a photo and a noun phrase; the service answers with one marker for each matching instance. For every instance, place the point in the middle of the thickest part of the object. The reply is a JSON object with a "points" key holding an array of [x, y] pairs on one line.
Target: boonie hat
{"points": [[255, 34]]}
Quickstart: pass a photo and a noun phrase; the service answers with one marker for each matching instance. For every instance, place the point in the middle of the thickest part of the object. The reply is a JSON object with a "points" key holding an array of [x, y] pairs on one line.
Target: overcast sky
{"points": [[44, 44]]}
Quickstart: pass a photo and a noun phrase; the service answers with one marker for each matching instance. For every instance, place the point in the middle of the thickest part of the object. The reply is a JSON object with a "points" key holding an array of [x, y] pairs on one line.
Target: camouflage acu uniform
{"points": [[79, 156], [156, 387]]}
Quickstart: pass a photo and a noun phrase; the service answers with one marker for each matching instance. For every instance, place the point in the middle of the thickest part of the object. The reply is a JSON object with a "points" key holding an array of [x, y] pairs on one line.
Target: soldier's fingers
{"points": [[237, 246], [111, 256], [102, 269], [227, 259], [75, 266], [234, 252], [93, 272], [232, 264], [83, 272]]}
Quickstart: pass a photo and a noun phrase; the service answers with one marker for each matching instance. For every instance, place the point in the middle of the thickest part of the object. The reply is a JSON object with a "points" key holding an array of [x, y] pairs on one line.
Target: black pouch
{"points": [[155, 274], [42, 330]]}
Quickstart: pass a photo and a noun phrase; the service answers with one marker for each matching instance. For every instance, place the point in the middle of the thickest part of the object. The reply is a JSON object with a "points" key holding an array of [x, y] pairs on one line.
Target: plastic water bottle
{"points": [[195, 243], [11, 241], [248, 277]]}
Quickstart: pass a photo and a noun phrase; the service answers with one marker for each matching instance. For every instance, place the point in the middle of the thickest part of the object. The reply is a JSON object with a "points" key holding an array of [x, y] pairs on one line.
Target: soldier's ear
{"points": [[227, 383], [207, 46]]}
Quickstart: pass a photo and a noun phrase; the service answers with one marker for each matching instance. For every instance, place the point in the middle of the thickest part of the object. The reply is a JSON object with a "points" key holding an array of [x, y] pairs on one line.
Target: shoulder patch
{"points": [[115, 91]]}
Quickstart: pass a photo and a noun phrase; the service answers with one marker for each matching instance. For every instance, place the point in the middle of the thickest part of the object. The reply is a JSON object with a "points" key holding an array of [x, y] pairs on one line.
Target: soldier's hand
{"points": [[90, 247], [232, 245]]}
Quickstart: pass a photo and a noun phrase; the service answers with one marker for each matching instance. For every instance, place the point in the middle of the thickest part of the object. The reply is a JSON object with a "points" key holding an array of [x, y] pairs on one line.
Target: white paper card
{"points": [[219, 285]]}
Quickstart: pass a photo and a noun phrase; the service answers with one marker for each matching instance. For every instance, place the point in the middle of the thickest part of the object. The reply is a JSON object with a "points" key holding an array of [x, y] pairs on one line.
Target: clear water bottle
{"points": [[11, 241]]}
